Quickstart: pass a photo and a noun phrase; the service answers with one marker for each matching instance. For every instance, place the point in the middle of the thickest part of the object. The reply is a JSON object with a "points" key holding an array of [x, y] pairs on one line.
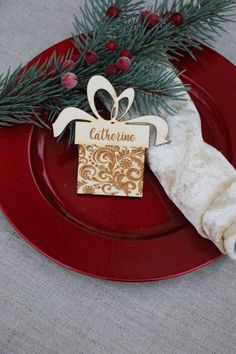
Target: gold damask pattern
{"points": [[110, 170]]}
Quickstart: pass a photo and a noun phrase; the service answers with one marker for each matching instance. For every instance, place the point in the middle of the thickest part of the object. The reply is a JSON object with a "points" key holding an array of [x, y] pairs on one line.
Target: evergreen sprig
{"points": [[203, 20], [25, 92]]}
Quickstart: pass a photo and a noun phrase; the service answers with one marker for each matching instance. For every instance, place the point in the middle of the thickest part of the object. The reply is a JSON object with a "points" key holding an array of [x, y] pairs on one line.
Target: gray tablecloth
{"points": [[45, 308]]}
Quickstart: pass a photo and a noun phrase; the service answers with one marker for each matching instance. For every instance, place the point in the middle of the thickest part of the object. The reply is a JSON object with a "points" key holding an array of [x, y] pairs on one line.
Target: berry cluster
{"points": [[69, 80], [151, 19]]}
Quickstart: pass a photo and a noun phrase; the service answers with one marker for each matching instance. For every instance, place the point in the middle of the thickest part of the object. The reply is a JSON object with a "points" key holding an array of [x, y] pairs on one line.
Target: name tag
{"points": [[108, 133]]}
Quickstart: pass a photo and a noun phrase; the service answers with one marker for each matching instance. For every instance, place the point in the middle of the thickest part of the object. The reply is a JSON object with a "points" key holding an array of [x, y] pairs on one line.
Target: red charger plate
{"points": [[115, 238]]}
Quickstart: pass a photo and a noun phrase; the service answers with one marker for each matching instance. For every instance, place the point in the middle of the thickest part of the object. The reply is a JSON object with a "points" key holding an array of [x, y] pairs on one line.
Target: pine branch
{"points": [[127, 31], [24, 93], [28, 91], [154, 85], [202, 20]]}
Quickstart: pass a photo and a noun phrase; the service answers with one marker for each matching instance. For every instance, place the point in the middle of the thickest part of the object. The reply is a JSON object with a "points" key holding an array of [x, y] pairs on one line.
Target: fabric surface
{"points": [[45, 308], [197, 177]]}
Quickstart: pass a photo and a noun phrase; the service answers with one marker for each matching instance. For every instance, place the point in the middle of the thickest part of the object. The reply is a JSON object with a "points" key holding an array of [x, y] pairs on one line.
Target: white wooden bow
{"points": [[95, 84]]}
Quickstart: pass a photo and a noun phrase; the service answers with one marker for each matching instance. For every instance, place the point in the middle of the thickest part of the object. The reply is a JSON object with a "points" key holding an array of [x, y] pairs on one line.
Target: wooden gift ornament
{"points": [[111, 152]]}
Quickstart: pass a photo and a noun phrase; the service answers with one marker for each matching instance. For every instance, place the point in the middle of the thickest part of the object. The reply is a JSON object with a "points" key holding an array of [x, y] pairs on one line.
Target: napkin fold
{"points": [[197, 177]]}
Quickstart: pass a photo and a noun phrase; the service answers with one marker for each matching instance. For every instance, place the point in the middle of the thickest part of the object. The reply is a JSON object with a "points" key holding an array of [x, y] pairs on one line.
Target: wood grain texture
{"points": [[45, 308]]}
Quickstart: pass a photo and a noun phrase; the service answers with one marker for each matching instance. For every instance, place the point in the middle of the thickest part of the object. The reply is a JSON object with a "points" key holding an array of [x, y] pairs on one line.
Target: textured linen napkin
{"points": [[197, 177]]}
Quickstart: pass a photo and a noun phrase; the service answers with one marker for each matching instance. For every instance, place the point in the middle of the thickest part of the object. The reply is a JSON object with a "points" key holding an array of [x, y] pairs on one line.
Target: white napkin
{"points": [[197, 177]]}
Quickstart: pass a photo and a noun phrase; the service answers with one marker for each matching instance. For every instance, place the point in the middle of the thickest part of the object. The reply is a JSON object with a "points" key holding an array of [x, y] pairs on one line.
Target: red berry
{"points": [[144, 14], [69, 80], [111, 46], [123, 64], [113, 11], [91, 58], [150, 18], [111, 69], [126, 53], [68, 64], [177, 19]]}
